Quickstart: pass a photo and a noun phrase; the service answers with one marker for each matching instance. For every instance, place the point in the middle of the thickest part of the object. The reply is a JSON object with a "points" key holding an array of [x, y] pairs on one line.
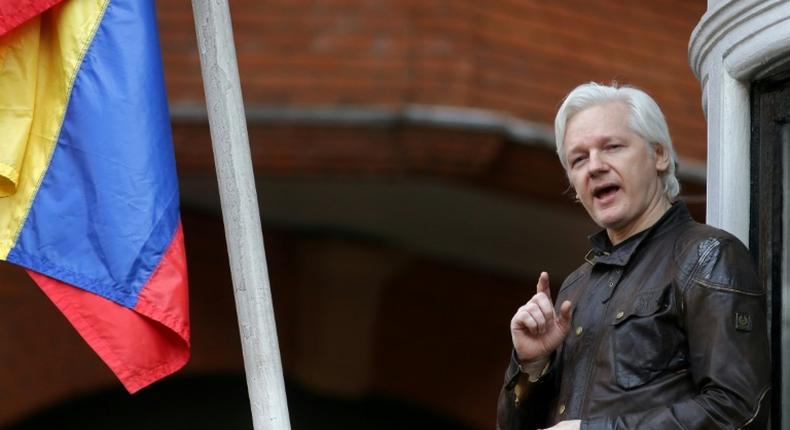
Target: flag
{"points": [[89, 199], [15, 12]]}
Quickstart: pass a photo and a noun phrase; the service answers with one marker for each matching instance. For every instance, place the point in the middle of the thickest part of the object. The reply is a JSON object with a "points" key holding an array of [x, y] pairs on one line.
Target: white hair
{"points": [[645, 119]]}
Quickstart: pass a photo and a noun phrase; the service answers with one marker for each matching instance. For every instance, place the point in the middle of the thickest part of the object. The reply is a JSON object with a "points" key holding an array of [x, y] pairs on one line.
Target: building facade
{"points": [[410, 195]]}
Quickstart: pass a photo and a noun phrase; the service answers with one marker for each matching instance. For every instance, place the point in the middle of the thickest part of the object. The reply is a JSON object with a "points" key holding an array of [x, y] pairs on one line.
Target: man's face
{"points": [[614, 171]]}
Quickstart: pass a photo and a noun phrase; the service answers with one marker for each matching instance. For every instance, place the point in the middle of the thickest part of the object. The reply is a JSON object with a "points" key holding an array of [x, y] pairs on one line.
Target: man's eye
{"points": [[577, 160]]}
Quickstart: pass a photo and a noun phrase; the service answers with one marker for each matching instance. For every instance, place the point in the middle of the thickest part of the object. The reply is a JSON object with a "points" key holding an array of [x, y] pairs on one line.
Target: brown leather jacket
{"points": [[669, 332]]}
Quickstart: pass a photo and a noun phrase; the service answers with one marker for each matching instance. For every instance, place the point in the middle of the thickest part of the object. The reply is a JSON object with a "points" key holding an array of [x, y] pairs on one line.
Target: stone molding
{"points": [[510, 127], [750, 37]]}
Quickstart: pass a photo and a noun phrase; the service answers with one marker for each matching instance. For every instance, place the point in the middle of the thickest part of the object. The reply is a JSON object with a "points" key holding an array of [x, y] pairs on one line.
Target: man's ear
{"points": [[662, 157]]}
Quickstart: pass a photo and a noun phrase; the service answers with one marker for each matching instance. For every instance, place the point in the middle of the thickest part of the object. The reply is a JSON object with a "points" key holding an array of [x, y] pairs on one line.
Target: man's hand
{"points": [[535, 328], [567, 425]]}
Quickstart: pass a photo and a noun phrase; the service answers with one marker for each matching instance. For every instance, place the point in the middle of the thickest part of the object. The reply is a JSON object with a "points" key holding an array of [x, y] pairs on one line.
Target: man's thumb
{"points": [[564, 320]]}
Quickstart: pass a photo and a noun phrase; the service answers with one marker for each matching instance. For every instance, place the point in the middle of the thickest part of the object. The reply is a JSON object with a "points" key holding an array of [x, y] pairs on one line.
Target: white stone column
{"points": [[735, 43]]}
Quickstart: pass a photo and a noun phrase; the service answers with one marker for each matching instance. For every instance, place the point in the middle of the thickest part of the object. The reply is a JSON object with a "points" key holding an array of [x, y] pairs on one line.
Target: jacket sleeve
{"points": [[524, 405], [724, 315]]}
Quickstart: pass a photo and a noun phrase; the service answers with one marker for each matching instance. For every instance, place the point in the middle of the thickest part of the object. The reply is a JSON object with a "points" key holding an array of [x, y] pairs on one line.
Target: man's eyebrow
{"points": [[597, 141]]}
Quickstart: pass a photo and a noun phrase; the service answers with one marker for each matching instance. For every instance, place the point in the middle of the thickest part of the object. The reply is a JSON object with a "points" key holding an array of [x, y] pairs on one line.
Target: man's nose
{"points": [[596, 164]]}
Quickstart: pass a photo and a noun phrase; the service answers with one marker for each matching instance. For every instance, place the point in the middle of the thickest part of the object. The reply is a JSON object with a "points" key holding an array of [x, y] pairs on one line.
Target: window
{"points": [[769, 228]]}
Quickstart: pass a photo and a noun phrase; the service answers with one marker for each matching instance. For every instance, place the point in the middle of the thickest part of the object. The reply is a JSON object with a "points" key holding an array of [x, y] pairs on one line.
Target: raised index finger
{"points": [[543, 283]]}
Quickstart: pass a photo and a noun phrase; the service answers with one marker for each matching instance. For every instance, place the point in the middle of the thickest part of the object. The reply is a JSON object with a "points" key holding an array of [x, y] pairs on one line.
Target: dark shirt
{"points": [[668, 331]]}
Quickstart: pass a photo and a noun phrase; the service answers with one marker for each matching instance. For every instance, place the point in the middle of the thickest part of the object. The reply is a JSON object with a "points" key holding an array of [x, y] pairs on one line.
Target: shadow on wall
{"points": [[214, 402]]}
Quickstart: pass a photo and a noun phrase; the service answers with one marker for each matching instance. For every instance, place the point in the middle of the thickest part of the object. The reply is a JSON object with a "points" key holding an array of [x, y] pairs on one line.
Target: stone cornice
{"points": [[454, 118], [751, 37]]}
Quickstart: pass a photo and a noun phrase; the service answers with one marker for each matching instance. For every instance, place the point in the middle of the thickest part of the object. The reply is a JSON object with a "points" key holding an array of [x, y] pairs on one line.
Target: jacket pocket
{"points": [[645, 340]]}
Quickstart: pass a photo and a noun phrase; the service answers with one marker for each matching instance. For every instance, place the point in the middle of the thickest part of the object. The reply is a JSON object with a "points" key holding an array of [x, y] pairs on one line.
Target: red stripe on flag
{"points": [[15, 12], [142, 345]]}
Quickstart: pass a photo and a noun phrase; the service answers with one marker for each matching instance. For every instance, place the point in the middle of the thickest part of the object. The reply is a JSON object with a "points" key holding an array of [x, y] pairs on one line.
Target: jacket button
{"points": [[562, 409], [619, 314], [611, 283], [579, 330]]}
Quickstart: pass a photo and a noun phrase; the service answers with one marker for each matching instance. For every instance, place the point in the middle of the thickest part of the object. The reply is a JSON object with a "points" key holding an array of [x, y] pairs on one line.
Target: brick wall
{"points": [[515, 56]]}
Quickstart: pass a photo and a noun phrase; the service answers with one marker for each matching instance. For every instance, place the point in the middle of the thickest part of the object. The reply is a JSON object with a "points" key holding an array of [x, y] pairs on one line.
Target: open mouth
{"points": [[605, 192]]}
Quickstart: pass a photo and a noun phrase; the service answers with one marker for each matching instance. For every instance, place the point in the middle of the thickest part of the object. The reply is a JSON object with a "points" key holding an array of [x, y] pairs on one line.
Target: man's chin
{"points": [[609, 221], [610, 217]]}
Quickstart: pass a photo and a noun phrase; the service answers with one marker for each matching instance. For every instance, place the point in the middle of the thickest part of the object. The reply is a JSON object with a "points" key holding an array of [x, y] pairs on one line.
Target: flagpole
{"points": [[240, 215]]}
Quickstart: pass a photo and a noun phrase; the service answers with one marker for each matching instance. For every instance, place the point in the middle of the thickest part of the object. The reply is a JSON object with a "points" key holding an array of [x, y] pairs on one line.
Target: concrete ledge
{"points": [[448, 117]]}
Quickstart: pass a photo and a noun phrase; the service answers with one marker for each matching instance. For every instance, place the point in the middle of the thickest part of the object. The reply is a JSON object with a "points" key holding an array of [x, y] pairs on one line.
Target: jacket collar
{"points": [[604, 252]]}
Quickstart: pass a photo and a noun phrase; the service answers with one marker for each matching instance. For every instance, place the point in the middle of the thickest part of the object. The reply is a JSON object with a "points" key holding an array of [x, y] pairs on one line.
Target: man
{"points": [[664, 325]]}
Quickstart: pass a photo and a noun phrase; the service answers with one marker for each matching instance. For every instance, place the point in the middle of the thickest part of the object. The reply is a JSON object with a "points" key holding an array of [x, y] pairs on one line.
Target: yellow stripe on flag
{"points": [[38, 63]]}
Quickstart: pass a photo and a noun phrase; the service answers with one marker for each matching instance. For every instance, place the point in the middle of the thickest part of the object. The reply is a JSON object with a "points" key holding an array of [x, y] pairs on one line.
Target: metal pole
{"points": [[240, 215]]}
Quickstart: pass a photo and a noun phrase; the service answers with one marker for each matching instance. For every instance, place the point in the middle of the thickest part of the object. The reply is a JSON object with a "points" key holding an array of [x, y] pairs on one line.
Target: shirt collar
{"points": [[604, 252]]}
